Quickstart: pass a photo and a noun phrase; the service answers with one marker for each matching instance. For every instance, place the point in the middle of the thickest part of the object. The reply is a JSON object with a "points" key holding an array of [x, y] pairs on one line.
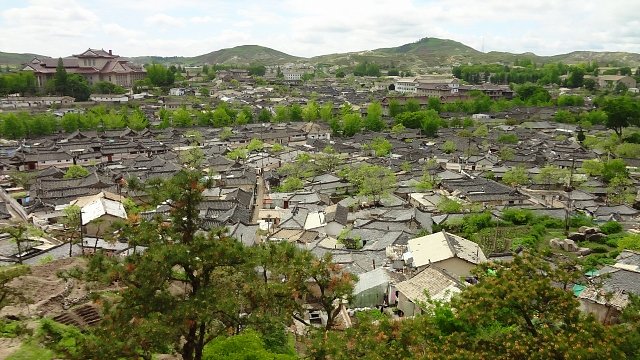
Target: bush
{"points": [[550, 223], [518, 216], [629, 242], [611, 227], [529, 241], [11, 329], [580, 220], [473, 223]]}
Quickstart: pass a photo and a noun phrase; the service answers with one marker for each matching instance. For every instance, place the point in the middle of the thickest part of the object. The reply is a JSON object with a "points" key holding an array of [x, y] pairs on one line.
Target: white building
{"points": [[407, 85], [176, 91], [112, 98]]}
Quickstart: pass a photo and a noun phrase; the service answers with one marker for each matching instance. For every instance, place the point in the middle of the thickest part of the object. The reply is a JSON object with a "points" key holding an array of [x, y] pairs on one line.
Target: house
{"points": [[406, 85], [429, 284], [446, 251], [99, 212], [94, 65], [109, 98], [372, 288], [611, 81], [618, 281], [177, 91], [21, 102], [336, 217]]}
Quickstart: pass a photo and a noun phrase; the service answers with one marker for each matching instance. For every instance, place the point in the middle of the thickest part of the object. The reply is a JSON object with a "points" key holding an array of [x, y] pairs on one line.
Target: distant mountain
{"points": [[16, 59], [246, 54], [430, 52], [416, 56], [239, 55]]}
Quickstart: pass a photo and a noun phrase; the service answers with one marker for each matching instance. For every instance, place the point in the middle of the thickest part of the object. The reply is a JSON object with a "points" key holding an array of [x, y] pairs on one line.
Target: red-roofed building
{"points": [[95, 65]]}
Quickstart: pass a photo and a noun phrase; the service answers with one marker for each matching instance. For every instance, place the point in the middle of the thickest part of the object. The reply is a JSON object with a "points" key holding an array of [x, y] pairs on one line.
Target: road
{"points": [[260, 190]]}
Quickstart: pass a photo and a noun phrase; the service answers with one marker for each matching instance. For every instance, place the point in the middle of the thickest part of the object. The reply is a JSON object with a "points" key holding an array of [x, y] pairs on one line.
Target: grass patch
{"points": [[30, 351]]}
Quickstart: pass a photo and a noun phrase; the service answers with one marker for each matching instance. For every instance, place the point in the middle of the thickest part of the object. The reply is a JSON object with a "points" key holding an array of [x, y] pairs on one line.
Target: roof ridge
{"points": [[448, 240]]}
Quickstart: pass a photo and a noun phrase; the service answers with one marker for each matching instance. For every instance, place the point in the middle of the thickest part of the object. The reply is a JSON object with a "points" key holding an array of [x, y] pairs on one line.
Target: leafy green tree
{"points": [[247, 345], [326, 111], [434, 104], [159, 75], [351, 124], [449, 206], [220, 117], [237, 154], [381, 146], [370, 180], [621, 112], [60, 78], [481, 131], [395, 108], [137, 121], [105, 87], [264, 115], [190, 287], [507, 153], [72, 224], [614, 168], [508, 139], [516, 176], [295, 112], [412, 105], [311, 111], [282, 114], [13, 128], [449, 146], [255, 145], [592, 167], [620, 190], [373, 121], [552, 175], [291, 184], [398, 129], [182, 118], [76, 171]]}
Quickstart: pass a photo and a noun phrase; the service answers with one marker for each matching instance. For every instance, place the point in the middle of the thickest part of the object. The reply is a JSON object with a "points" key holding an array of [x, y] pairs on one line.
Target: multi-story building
{"points": [[95, 65]]}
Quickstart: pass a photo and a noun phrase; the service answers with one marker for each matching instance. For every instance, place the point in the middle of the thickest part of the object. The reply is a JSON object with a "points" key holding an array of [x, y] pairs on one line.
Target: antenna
{"points": [[482, 48]]}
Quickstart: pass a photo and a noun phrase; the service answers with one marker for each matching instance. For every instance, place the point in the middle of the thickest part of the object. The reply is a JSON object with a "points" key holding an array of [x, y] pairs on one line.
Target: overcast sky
{"points": [[308, 28]]}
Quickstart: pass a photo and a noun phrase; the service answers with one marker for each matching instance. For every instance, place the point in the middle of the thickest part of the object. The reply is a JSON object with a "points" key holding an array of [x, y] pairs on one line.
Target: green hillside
{"points": [[422, 54], [15, 59], [245, 54]]}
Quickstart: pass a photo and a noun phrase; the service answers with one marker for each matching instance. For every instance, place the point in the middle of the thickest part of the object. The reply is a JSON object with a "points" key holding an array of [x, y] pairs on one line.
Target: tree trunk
{"points": [[19, 245], [190, 343], [200, 343]]}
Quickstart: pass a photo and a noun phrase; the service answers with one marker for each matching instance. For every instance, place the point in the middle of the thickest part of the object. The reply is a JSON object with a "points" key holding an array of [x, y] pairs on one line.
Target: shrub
{"points": [[580, 220], [550, 223], [528, 241], [611, 227], [11, 329], [629, 242], [599, 249], [518, 216], [473, 223]]}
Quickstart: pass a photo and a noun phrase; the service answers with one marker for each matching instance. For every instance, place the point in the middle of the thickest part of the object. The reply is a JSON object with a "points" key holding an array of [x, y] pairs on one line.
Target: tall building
{"points": [[95, 65]]}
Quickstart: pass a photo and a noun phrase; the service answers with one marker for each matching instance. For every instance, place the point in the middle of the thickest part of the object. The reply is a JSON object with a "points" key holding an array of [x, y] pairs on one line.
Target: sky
{"points": [[309, 28]]}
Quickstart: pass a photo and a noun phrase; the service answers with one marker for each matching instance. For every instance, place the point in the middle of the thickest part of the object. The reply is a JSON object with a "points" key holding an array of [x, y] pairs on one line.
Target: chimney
{"points": [[110, 53]]}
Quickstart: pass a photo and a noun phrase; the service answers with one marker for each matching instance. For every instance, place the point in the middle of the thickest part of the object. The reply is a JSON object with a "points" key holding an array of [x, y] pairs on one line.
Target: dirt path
{"points": [[260, 188], [8, 346]]}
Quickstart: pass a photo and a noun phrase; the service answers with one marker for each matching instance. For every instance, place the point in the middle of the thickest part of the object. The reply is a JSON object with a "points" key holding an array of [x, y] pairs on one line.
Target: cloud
{"points": [[162, 20], [305, 28]]}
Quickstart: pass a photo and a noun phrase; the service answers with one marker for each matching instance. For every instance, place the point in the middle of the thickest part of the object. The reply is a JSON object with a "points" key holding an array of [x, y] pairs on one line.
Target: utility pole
{"points": [[569, 190]]}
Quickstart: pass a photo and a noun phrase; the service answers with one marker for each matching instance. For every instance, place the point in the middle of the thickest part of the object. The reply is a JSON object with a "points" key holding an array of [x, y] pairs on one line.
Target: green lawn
{"points": [[29, 351]]}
